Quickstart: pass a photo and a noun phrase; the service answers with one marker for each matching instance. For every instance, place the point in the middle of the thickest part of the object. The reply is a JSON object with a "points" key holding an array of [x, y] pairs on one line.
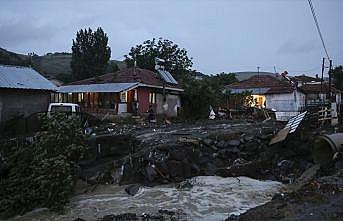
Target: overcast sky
{"points": [[221, 36]]}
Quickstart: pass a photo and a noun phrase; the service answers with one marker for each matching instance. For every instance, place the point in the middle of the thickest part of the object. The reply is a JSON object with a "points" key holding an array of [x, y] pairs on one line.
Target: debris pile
{"points": [[173, 153]]}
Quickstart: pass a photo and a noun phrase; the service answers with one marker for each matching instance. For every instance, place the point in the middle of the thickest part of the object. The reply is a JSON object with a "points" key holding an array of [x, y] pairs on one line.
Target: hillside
{"points": [[7, 57], [247, 74], [52, 65]]}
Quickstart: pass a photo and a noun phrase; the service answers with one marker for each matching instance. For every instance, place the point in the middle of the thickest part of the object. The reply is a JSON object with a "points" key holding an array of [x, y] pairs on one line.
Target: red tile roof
{"points": [[128, 75], [304, 78], [274, 85], [317, 88]]}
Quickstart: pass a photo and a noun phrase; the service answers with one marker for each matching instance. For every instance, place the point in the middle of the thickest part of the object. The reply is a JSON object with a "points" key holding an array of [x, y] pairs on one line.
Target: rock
{"points": [[239, 162], [175, 168], [285, 164], [184, 185], [248, 138], [79, 219], [228, 153], [132, 189], [167, 212], [232, 217], [265, 136], [223, 154], [195, 169], [150, 173], [210, 169], [250, 147], [219, 162], [208, 141], [233, 150], [221, 144], [204, 158], [125, 216], [177, 155], [339, 165], [232, 143], [109, 218], [187, 170]]}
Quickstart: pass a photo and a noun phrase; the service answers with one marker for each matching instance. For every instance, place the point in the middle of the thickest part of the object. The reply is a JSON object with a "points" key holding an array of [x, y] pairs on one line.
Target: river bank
{"points": [[149, 171], [209, 198]]}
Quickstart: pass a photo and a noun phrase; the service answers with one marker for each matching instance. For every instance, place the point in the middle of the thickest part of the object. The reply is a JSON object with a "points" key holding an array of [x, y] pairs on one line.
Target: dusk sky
{"points": [[221, 36]]}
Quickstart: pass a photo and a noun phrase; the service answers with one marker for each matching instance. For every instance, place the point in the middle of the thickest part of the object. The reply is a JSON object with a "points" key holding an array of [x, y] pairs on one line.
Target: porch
{"points": [[112, 103], [109, 98]]}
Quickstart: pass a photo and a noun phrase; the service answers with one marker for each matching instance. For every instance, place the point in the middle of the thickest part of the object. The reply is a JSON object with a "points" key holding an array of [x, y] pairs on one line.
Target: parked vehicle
{"points": [[63, 107]]}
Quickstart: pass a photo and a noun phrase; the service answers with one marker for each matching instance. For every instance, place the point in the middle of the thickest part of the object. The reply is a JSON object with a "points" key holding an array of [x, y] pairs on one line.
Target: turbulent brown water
{"points": [[211, 198]]}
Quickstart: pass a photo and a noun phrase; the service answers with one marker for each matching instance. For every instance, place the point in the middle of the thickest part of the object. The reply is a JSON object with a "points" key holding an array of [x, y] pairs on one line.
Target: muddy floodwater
{"points": [[210, 198]]}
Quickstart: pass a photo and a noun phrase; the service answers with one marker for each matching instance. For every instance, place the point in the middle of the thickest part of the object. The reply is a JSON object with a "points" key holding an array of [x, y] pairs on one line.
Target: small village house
{"points": [[286, 96], [23, 91], [129, 91]]}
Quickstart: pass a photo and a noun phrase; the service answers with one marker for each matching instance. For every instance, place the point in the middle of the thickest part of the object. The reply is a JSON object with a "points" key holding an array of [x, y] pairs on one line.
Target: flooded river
{"points": [[211, 198]]}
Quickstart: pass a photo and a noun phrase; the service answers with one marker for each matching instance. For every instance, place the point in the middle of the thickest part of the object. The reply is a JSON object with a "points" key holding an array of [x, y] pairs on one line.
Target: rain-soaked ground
{"points": [[210, 198]]}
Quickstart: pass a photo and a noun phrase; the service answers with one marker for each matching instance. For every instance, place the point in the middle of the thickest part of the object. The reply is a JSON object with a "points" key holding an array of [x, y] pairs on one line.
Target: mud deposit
{"points": [[208, 198]]}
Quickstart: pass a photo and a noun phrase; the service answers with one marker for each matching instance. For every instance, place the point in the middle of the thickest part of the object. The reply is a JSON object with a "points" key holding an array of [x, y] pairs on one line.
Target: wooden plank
{"points": [[280, 136]]}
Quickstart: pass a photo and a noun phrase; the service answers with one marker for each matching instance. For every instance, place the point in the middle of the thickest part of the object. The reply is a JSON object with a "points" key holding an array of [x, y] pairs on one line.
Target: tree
{"points": [[199, 95], [90, 53], [43, 173], [337, 75], [176, 59]]}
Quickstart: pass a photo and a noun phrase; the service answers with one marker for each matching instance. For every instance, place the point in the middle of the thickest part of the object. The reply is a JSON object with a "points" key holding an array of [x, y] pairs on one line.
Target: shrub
{"points": [[43, 172]]}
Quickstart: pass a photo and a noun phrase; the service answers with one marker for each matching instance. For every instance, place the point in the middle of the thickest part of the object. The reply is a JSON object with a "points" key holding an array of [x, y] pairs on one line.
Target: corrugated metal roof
{"points": [[109, 87], [23, 78], [294, 122]]}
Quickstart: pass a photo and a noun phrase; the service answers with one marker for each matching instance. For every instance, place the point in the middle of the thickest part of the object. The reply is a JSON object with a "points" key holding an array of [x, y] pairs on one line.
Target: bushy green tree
{"points": [[42, 173], [176, 59], [90, 53], [199, 95]]}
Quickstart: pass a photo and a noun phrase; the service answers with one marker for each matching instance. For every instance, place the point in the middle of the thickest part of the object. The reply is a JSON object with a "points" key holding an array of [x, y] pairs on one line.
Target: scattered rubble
{"points": [[150, 155], [171, 153]]}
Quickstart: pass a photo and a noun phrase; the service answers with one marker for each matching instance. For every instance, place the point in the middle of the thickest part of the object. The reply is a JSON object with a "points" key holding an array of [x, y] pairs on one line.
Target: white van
{"points": [[63, 107]]}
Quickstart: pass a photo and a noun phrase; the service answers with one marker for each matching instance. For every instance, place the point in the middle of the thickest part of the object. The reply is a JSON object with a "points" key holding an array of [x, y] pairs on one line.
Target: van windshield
{"points": [[61, 109]]}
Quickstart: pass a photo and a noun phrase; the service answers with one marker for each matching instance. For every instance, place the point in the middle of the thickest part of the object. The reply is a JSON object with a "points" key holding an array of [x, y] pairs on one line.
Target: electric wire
{"points": [[318, 28]]}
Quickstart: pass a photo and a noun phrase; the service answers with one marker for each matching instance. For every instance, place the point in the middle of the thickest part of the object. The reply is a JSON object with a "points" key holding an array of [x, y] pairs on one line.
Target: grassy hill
{"points": [[52, 65], [7, 57]]}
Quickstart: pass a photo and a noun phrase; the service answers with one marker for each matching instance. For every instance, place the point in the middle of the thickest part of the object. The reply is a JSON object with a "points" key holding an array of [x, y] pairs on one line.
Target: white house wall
{"points": [[173, 101], [286, 105]]}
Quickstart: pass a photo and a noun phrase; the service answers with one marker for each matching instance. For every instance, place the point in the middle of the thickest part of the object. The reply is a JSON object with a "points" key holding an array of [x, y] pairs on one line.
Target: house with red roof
{"points": [[286, 96], [132, 91]]}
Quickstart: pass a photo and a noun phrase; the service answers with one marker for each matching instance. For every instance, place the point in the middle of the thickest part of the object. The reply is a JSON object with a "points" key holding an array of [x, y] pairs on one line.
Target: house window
{"points": [[123, 97], [152, 98], [80, 97], [135, 95], [259, 101]]}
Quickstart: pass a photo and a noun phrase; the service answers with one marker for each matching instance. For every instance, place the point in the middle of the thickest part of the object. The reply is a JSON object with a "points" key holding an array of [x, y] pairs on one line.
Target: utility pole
{"points": [[330, 70], [322, 79], [258, 77]]}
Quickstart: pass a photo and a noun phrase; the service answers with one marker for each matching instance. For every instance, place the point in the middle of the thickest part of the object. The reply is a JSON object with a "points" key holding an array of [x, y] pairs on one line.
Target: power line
{"points": [[318, 28]]}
